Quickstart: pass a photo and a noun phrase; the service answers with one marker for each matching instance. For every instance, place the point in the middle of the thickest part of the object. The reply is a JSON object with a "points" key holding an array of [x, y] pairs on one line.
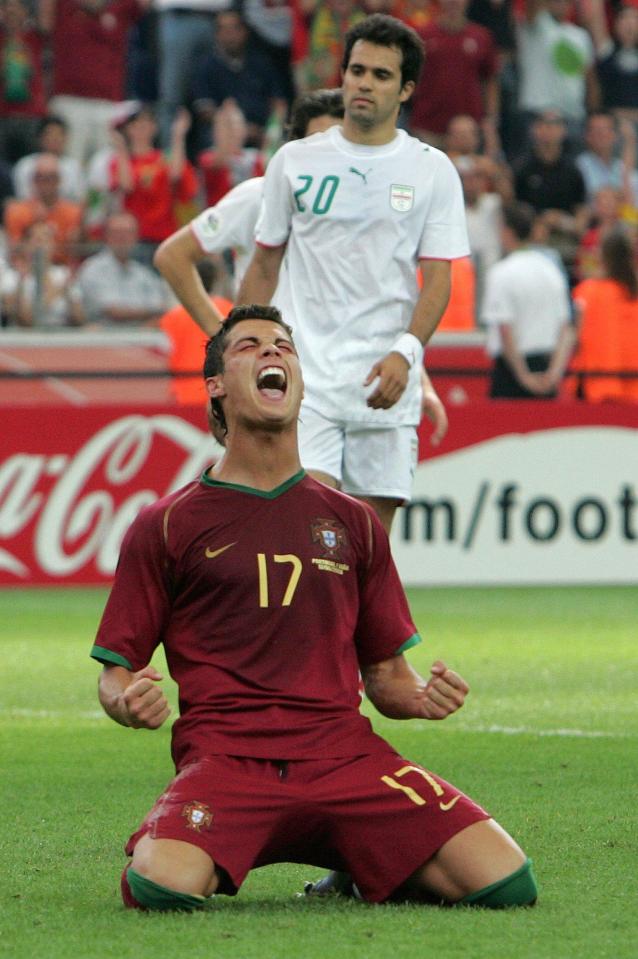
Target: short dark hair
{"points": [[387, 31], [309, 106], [214, 359], [519, 217]]}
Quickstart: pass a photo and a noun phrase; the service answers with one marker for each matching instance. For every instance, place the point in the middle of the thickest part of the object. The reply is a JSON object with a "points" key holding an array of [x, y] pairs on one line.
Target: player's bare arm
{"points": [[391, 372], [261, 277], [133, 699], [433, 298], [432, 407], [176, 259], [399, 692]]}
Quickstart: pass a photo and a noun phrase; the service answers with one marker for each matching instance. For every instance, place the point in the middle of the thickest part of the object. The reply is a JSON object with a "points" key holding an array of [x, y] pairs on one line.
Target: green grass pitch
{"points": [[548, 741]]}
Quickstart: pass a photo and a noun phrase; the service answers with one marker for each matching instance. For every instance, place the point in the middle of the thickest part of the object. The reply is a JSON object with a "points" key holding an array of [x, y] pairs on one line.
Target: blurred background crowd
{"points": [[122, 119]]}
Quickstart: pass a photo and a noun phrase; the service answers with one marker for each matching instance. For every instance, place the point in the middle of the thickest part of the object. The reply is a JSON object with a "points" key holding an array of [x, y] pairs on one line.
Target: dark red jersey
{"points": [[267, 605]]}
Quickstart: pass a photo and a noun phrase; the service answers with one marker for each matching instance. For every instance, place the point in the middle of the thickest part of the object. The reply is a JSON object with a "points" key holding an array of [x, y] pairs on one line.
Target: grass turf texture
{"points": [[547, 741]]}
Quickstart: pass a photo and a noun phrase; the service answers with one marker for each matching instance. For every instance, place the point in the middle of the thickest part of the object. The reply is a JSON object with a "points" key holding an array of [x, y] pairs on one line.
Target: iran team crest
{"points": [[329, 534], [401, 197], [197, 815]]}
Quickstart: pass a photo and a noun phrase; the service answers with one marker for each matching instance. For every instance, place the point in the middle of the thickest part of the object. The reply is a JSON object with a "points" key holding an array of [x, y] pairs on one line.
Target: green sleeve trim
{"points": [[414, 640], [107, 656]]}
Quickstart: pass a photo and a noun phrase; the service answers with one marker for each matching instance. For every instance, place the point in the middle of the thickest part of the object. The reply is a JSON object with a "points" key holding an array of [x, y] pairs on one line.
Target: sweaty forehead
{"points": [[373, 55]]}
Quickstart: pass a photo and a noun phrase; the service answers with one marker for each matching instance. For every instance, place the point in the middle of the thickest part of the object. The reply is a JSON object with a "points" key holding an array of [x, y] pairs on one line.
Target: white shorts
{"points": [[365, 460]]}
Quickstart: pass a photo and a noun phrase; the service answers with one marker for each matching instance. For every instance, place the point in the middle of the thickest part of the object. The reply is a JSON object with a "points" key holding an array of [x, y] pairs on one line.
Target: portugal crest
{"points": [[330, 535], [401, 197], [197, 815]]}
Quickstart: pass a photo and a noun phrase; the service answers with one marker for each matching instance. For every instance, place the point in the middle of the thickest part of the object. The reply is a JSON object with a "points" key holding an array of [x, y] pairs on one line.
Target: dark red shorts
{"points": [[376, 817]]}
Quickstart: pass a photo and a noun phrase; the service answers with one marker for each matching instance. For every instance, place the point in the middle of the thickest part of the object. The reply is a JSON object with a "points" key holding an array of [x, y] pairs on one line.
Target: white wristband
{"points": [[409, 346]]}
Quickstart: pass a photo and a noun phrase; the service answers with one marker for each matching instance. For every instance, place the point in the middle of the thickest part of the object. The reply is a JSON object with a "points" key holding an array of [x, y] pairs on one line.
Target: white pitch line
{"points": [[17, 713], [494, 728], [530, 731]]}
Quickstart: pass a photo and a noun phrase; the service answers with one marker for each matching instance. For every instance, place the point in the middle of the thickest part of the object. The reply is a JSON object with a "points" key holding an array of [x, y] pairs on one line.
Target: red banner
{"points": [[73, 479]]}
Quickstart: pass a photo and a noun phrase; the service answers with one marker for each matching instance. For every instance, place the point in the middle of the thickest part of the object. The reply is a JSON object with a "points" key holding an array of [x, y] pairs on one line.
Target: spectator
{"points": [[416, 13], [556, 66], [229, 161], [608, 323], [142, 67], [44, 294], [270, 22], [464, 137], [483, 216], [459, 74], [100, 201], [599, 163], [549, 181], [606, 215], [46, 205], [116, 289], [53, 134], [617, 58], [89, 84], [188, 341], [527, 313], [497, 16], [233, 70], [22, 86], [151, 185], [328, 25], [186, 31]]}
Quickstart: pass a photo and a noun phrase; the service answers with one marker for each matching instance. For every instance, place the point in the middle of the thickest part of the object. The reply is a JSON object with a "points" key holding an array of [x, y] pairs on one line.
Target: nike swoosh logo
{"points": [[444, 806], [212, 553]]}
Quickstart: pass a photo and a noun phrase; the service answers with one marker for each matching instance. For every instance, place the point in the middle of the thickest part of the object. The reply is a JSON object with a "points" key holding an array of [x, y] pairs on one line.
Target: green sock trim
{"points": [[519, 889], [153, 896]]}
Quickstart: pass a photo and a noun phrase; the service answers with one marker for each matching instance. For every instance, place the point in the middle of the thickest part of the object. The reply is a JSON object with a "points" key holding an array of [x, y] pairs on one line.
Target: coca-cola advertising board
{"points": [[72, 481], [517, 492]]}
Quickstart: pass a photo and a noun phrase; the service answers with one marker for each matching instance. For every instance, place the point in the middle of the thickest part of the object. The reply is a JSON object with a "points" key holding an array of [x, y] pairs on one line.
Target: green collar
{"points": [[265, 494]]}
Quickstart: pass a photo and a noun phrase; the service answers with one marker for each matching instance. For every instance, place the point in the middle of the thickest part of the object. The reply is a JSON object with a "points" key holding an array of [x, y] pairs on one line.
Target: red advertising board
{"points": [[72, 479]]}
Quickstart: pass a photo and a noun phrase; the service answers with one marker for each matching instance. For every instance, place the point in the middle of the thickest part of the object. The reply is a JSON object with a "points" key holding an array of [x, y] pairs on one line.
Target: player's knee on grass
{"points": [[517, 889], [139, 892]]}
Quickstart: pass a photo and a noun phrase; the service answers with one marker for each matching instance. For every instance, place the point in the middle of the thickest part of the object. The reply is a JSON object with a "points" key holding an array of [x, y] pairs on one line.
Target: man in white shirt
{"points": [[527, 313], [116, 290], [350, 213]]}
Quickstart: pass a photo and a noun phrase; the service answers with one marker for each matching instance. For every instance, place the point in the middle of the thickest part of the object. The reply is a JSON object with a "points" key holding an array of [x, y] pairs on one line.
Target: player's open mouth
{"points": [[272, 382]]}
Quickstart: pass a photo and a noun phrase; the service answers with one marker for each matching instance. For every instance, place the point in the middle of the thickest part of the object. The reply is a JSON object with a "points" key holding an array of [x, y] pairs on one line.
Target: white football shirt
{"points": [[528, 292], [357, 219], [230, 224]]}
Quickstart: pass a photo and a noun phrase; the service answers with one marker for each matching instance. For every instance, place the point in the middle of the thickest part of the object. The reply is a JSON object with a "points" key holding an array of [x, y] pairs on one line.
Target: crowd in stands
{"points": [[120, 120]]}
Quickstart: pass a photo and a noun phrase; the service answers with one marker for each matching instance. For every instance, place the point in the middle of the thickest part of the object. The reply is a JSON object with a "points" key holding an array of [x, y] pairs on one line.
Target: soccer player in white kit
{"points": [[230, 224], [347, 216]]}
